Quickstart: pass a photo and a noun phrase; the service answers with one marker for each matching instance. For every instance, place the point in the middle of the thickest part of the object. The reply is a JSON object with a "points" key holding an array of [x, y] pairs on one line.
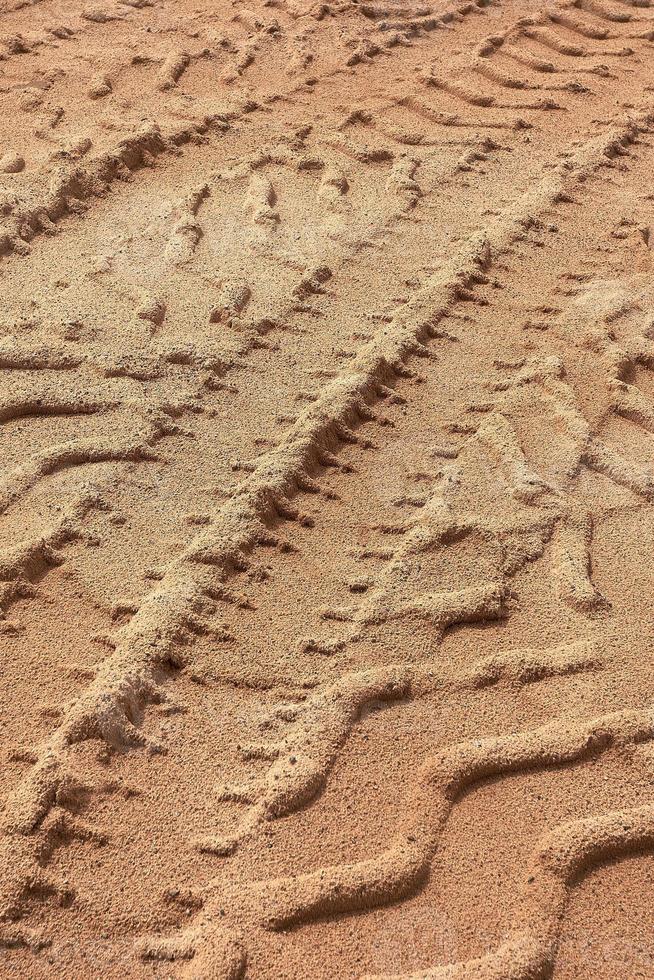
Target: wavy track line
{"points": [[305, 755], [402, 868]]}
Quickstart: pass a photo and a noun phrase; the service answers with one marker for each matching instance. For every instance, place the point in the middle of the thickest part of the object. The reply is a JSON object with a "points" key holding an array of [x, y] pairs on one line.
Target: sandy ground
{"points": [[326, 473]]}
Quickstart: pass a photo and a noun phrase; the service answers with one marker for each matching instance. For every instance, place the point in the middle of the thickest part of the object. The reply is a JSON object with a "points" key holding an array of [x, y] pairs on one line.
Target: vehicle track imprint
{"points": [[327, 431]]}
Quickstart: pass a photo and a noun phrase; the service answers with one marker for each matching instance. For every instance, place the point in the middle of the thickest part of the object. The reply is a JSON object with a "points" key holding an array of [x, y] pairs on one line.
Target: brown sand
{"points": [[327, 430]]}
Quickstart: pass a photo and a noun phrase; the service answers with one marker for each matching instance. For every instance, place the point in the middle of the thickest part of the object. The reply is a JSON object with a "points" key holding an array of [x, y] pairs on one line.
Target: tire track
{"points": [[148, 643], [338, 236]]}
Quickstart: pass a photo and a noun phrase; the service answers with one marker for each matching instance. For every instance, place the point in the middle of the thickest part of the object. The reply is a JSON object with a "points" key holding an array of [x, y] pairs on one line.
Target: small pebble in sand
{"points": [[11, 163]]}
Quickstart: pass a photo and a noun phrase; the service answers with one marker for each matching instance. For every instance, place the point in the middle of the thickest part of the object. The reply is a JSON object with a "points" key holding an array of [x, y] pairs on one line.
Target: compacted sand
{"points": [[327, 472]]}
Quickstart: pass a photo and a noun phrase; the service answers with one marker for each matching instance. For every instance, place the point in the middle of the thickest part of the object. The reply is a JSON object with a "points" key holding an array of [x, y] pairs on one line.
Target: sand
{"points": [[326, 484]]}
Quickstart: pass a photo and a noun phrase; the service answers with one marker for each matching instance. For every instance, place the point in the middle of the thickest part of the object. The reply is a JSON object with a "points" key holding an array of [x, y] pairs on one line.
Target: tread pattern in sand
{"points": [[327, 413]]}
